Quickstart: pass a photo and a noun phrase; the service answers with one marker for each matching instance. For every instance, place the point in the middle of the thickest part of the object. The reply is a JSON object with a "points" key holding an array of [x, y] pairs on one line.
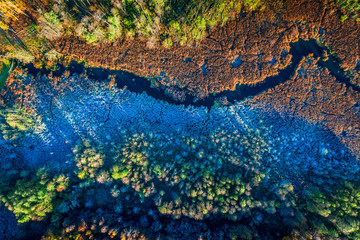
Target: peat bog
{"points": [[137, 84]]}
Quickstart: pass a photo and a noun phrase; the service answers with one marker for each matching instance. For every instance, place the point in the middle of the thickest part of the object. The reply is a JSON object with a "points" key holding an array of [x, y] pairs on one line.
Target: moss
{"points": [[343, 18]]}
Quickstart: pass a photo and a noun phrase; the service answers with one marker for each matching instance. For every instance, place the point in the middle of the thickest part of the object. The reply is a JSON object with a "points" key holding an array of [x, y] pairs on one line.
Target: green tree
{"points": [[32, 196]]}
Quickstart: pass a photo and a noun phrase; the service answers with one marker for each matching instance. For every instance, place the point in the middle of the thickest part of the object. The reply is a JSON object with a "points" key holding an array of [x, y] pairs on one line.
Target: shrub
{"points": [[352, 7], [253, 4], [88, 160], [114, 30], [343, 18], [50, 25], [90, 30], [168, 43], [17, 122], [21, 54]]}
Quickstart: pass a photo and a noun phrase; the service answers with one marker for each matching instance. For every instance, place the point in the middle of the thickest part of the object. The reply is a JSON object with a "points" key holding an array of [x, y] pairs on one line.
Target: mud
{"points": [[244, 51]]}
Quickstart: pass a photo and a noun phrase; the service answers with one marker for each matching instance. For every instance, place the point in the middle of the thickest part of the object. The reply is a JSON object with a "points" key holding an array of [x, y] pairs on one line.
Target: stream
{"points": [[138, 84]]}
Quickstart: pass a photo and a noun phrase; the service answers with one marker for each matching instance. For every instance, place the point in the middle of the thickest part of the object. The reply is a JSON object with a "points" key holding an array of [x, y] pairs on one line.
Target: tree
{"points": [[31, 198]]}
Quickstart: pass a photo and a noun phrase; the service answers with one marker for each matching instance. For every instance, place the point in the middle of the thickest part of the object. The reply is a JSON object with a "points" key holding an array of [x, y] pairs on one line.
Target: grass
{"points": [[5, 72]]}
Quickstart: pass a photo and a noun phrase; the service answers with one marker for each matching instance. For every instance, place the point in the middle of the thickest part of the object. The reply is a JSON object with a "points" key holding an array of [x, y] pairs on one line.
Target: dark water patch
{"points": [[33, 230], [236, 63], [138, 84], [204, 69], [272, 61], [123, 79], [73, 67], [187, 60], [284, 53]]}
